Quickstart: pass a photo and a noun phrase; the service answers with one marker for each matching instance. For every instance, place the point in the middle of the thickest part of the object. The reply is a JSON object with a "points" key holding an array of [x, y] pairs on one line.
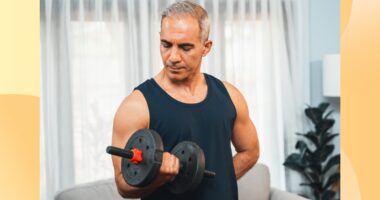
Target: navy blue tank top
{"points": [[208, 123]]}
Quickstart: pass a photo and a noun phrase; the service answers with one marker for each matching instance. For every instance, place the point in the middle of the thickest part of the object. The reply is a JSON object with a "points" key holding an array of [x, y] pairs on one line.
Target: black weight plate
{"points": [[150, 143], [192, 162]]}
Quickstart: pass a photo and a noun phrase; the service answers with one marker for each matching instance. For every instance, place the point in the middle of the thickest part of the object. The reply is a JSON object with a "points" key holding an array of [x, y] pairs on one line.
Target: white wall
{"points": [[324, 38]]}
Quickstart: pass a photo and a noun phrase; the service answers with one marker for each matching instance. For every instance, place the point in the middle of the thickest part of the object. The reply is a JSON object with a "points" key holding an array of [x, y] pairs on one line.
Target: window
{"points": [[97, 89]]}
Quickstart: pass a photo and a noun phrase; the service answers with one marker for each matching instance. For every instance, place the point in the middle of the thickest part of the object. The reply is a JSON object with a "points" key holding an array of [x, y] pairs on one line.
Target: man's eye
{"points": [[186, 48], [166, 45]]}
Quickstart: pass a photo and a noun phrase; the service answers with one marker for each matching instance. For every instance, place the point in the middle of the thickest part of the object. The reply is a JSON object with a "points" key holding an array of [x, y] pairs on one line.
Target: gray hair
{"points": [[192, 9]]}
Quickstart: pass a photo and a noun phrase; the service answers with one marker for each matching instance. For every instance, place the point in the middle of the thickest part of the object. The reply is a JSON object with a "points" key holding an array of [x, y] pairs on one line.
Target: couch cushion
{"points": [[277, 194], [99, 190], [255, 184]]}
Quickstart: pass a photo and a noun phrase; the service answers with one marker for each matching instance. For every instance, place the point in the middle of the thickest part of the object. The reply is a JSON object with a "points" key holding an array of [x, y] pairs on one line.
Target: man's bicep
{"points": [[244, 136], [131, 116]]}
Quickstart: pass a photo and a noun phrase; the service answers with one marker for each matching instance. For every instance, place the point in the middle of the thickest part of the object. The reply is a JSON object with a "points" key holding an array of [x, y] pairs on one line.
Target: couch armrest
{"points": [[276, 194]]}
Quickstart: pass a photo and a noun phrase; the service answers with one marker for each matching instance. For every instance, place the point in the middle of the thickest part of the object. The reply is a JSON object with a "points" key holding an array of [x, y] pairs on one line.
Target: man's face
{"points": [[181, 47]]}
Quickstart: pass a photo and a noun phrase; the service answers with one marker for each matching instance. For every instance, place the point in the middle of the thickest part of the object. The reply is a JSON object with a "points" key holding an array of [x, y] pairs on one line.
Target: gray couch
{"points": [[255, 185]]}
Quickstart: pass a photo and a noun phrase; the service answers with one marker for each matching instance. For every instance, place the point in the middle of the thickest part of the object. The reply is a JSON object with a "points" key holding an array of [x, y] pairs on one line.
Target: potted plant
{"points": [[314, 159]]}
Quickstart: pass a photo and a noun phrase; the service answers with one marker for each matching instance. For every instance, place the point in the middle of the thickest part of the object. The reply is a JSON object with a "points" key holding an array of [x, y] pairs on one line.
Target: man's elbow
{"points": [[123, 194], [126, 194], [255, 154], [123, 191]]}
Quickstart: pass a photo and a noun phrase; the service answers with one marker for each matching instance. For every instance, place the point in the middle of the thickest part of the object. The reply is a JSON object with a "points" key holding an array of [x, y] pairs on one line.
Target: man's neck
{"points": [[189, 85]]}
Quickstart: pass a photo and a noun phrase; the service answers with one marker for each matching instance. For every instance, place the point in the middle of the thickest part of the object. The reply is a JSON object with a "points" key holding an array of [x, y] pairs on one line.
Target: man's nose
{"points": [[174, 57]]}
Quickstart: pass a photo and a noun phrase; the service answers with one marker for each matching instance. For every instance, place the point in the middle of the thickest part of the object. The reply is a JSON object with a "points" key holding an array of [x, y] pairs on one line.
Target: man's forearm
{"points": [[243, 161]]}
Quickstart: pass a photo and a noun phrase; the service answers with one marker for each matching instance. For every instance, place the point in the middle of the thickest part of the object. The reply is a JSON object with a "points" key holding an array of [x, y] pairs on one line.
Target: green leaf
{"points": [[324, 125], [295, 162], [314, 114], [312, 136], [316, 168], [325, 152], [317, 194], [335, 160], [328, 114], [311, 175], [332, 179], [323, 107], [301, 145], [328, 195], [325, 140], [316, 186], [312, 158]]}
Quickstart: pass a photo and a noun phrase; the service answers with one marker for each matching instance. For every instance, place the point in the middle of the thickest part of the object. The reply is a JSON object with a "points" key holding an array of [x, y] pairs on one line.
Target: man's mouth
{"points": [[172, 68]]}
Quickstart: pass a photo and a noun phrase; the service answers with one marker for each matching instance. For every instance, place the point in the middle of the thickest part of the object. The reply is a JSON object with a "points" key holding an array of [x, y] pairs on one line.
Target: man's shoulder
{"points": [[230, 88], [133, 109], [134, 100], [236, 96], [133, 103]]}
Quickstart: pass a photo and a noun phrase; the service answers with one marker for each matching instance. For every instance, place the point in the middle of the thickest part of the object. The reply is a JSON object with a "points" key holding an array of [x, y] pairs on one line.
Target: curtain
{"points": [[94, 52]]}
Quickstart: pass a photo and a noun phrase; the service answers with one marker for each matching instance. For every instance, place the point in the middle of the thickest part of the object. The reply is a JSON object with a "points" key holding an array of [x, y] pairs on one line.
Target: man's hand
{"points": [[169, 168]]}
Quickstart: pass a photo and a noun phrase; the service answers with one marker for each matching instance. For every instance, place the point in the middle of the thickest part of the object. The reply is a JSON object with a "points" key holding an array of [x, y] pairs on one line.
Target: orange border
{"points": [[19, 114]]}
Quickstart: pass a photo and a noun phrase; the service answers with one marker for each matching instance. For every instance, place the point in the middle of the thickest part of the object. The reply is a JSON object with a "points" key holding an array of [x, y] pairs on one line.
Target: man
{"points": [[181, 103]]}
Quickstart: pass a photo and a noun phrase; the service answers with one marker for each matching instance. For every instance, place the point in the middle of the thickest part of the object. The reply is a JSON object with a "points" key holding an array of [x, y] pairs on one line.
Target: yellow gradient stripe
{"points": [[19, 99], [19, 147], [19, 47]]}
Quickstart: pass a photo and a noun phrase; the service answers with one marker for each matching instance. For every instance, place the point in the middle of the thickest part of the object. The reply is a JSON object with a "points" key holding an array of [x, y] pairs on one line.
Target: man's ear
{"points": [[207, 49]]}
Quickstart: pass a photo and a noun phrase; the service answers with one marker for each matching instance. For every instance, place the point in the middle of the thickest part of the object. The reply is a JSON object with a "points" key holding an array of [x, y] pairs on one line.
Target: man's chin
{"points": [[176, 77]]}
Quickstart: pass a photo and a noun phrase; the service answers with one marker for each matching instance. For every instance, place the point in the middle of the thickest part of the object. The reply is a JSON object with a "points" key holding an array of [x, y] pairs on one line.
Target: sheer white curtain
{"points": [[94, 52], [263, 59]]}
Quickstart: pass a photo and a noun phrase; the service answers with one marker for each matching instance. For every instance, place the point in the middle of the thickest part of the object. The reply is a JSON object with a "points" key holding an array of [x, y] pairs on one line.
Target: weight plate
{"points": [[150, 143], [192, 162]]}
